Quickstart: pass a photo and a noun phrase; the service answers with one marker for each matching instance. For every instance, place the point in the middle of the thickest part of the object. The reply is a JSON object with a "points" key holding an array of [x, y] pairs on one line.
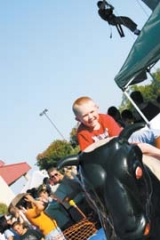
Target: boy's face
{"points": [[18, 229], [88, 114]]}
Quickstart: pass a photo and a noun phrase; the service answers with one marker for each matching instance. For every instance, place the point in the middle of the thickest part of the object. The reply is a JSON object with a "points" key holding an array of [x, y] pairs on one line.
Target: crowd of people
{"points": [[45, 212], [148, 108], [126, 117]]}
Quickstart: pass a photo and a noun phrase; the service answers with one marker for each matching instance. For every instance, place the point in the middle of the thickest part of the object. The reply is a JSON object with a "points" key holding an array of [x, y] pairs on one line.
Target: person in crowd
{"points": [[127, 117], [65, 185], [46, 181], [69, 189], [17, 215], [54, 208], [6, 228], [95, 126], [37, 217], [71, 171], [105, 11], [115, 113], [26, 233], [149, 109], [55, 177], [147, 135], [43, 193]]}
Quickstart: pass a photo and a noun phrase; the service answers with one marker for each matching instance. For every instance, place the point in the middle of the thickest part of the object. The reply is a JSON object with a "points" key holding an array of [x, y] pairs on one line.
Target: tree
{"points": [[73, 137], [3, 208], [56, 151]]}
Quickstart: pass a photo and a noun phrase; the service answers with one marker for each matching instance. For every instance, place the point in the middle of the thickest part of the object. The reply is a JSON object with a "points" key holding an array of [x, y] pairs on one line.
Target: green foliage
{"points": [[73, 137], [3, 208], [56, 150]]}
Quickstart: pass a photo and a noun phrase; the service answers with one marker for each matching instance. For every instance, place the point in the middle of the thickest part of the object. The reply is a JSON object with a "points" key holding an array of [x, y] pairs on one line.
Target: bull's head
{"points": [[118, 185]]}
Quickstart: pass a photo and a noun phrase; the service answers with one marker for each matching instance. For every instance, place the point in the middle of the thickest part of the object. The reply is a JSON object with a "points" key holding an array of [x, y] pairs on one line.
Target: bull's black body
{"points": [[125, 204]]}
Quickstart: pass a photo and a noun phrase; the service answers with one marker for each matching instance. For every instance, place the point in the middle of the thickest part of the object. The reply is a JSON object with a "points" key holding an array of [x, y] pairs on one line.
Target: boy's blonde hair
{"points": [[80, 101]]}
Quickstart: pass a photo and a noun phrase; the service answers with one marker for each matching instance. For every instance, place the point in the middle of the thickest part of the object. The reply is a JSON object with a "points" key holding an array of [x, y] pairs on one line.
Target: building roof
{"points": [[11, 173]]}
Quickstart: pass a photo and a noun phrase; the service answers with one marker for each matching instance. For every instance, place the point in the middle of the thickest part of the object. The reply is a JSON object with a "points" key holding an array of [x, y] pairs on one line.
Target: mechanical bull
{"points": [[123, 190]]}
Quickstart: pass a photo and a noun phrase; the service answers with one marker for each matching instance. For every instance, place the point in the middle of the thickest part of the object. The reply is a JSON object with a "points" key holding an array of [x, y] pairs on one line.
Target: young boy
{"points": [[26, 233], [95, 126]]}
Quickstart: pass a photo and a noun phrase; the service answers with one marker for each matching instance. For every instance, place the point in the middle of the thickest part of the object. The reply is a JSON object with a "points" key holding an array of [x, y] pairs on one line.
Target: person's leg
{"points": [[153, 164], [56, 234], [149, 150], [120, 30], [127, 22]]}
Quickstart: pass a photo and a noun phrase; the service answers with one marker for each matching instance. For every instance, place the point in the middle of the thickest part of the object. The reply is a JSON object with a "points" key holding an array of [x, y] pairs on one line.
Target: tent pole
{"points": [[154, 79], [137, 108]]}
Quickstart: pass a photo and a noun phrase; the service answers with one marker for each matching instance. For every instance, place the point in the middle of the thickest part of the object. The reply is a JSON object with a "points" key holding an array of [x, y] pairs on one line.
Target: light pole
{"points": [[44, 113]]}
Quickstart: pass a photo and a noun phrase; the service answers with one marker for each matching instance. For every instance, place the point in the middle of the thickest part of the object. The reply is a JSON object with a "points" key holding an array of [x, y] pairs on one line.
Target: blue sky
{"points": [[52, 52]]}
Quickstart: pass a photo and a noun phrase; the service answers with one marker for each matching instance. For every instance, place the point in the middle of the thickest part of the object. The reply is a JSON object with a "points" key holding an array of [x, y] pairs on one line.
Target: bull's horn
{"points": [[71, 160]]}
